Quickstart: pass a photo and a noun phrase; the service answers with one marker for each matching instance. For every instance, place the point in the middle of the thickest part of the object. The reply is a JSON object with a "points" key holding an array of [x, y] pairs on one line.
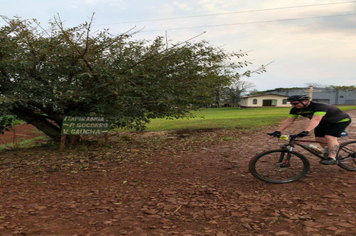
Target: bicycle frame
{"points": [[299, 142]]}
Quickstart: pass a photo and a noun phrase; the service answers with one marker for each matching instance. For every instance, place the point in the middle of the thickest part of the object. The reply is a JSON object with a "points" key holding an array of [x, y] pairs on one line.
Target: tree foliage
{"points": [[48, 74], [345, 88]]}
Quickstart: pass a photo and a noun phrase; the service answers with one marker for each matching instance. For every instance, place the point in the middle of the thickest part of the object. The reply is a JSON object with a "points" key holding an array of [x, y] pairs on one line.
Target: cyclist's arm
{"points": [[314, 122], [287, 122]]}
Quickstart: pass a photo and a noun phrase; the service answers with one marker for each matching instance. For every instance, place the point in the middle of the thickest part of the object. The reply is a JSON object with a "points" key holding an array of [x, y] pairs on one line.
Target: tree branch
{"points": [[81, 54]]}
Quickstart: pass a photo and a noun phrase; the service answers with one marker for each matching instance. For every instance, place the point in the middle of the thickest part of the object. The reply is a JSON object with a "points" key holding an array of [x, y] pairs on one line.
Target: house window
{"points": [[254, 101], [284, 101], [341, 96]]}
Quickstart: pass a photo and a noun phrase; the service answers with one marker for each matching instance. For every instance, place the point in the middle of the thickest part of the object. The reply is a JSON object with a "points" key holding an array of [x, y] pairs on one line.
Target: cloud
{"points": [[100, 2], [182, 6], [90, 1]]}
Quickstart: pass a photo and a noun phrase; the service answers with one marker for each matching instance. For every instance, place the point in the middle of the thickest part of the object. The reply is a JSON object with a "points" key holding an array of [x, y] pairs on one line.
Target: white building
{"points": [[265, 100]]}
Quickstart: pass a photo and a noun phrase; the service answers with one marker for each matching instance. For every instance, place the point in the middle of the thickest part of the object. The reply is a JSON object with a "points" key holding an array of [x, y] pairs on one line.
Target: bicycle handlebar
{"points": [[291, 138], [294, 136], [284, 136]]}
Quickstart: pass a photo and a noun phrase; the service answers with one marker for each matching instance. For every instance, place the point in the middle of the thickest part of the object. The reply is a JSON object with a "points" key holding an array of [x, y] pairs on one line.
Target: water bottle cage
{"points": [[314, 150]]}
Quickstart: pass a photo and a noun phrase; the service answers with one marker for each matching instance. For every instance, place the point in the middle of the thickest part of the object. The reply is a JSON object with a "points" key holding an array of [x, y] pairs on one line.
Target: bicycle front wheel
{"points": [[279, 166], [347, 156]]}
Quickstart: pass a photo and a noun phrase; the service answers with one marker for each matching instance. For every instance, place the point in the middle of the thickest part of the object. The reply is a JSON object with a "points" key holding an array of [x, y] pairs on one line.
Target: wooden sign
{"points": [[90, 125], [84, 125]]}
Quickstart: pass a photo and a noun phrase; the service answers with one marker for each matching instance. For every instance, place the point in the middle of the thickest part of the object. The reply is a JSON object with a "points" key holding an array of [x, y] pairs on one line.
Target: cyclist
{"points": [[328, 122]]}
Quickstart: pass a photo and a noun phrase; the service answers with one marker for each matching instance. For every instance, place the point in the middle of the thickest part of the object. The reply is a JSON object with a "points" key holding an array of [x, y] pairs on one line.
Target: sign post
{"points": [[88, 125], [311, 91]]}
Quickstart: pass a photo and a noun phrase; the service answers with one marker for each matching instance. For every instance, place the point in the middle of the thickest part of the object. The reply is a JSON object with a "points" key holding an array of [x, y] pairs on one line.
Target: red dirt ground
{"points": [[18, 133], [185, 183]]}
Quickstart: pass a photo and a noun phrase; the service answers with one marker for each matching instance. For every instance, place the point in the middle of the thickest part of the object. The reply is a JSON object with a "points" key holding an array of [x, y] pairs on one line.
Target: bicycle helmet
{"points": [[298, 98]]}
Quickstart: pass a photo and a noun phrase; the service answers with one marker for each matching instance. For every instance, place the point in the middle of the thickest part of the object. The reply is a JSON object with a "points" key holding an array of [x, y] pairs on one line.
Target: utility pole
{"points": [[311, 90]]}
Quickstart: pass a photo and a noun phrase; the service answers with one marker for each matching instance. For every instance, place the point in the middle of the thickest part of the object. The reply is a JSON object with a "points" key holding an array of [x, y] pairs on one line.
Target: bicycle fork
{"points": [[284, 158]]}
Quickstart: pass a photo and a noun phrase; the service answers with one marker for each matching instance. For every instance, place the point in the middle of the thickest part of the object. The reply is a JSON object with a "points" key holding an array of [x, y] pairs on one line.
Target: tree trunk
{"points": [[48, 128], [40, 122]]}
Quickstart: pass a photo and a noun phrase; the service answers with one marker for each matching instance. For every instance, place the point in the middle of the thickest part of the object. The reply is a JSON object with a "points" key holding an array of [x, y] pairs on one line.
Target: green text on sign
{"points": [[89, 125]]}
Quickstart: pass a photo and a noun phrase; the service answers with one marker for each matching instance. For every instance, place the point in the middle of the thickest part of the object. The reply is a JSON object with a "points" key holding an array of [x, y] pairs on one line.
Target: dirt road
{"points": [[177, 184]]}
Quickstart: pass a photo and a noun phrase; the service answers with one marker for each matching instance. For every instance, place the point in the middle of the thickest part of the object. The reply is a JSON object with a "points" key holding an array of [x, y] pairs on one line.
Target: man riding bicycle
{"points": [[328, 122]]}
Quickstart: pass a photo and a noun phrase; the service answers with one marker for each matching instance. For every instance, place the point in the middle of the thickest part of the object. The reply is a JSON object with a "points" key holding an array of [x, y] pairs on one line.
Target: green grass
{"points": [[230, 117], [23, 143], [222, 118], [345, 108]]}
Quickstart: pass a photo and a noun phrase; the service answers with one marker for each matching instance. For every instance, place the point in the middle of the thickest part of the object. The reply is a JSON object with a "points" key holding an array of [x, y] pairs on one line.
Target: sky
{"points": [[302, 42]]}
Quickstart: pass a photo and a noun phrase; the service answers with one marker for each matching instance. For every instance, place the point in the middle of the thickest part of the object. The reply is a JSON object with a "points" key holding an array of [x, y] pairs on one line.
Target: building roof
{"points": [[265, 94]]}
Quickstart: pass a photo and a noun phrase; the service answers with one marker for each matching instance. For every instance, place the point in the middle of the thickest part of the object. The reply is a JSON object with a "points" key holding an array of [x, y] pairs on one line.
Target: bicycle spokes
{"points": [[284, 165], [347, 156]]}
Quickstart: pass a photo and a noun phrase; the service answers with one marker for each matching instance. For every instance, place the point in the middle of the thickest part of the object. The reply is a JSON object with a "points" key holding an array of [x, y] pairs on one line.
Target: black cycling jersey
{"points": [[331, 114]]}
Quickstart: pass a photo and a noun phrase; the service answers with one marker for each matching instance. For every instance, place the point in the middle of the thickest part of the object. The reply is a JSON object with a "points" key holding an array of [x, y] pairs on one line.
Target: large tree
{"points": [[48, 74]]}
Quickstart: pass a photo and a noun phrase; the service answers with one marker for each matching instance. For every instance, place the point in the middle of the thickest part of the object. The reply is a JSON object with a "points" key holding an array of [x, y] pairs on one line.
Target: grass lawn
{"points": [[230, 117]]}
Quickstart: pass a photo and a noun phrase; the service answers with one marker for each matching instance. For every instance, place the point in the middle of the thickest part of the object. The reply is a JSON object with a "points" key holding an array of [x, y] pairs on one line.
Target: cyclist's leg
{"points": [[333, 131], [333, 145], [319, 133]]}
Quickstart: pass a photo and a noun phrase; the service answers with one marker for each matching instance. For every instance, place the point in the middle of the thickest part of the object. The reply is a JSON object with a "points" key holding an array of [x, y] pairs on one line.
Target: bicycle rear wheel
{"points": [[347, 153], [279, 166]]}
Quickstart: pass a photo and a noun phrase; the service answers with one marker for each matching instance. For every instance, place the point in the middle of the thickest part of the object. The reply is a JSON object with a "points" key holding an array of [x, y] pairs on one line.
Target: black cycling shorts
{"points": [[331, 129]]}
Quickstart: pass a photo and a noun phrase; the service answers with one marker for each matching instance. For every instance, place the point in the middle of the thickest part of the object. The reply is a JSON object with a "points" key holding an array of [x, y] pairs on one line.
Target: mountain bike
{"points": [[286, 165]]}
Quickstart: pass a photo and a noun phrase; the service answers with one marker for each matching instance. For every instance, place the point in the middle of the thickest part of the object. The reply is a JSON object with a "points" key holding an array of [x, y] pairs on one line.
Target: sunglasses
{"points": [[294, 103]]}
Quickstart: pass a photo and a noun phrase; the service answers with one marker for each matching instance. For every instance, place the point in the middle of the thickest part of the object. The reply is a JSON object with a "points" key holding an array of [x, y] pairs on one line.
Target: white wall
{"points": [[275, 101]]}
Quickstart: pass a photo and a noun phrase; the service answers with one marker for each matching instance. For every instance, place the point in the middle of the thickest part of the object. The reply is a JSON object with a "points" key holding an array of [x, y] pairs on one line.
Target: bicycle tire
{"points": [[266, 166], [347, 153]]}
